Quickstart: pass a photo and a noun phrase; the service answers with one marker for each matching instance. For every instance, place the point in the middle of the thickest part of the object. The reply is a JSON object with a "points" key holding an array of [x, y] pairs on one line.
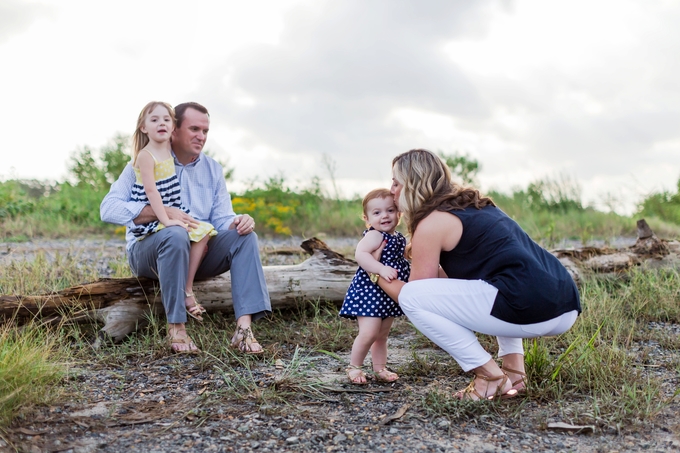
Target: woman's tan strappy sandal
{"points": [[466, 394], [520, 384]]}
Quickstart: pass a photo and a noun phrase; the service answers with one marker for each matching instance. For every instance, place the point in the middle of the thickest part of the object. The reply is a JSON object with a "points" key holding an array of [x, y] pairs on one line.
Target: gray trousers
{"points": [[164, 256]]}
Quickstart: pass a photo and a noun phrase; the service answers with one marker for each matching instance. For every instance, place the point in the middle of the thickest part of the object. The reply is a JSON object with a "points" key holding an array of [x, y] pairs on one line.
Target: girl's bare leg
{"points": [[195, 257], [379, 352], [369, 329]]}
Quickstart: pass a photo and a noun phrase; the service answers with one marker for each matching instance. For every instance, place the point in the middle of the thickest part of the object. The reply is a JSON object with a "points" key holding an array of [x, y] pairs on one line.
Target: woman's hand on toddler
{"points": [[388, 273]]}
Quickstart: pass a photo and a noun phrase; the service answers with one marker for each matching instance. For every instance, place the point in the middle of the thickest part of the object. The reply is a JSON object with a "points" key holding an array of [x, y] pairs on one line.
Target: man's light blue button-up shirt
{"points": [[204, 192]]}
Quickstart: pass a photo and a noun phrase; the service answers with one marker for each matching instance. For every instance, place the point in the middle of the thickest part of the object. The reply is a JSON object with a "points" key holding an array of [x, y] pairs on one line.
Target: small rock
{"points": [[339, 438]]}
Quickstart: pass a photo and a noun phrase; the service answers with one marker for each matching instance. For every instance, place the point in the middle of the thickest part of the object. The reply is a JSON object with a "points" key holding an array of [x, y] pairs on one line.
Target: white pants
{"points": [[449, 312]]}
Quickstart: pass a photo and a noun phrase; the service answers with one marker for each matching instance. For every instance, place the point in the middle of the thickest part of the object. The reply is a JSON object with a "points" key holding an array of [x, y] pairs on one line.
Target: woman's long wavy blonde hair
{"points": [[428, 187]]}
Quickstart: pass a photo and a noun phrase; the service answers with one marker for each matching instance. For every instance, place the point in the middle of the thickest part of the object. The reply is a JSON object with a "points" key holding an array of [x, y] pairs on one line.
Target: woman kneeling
{"points": [[473, 269]]}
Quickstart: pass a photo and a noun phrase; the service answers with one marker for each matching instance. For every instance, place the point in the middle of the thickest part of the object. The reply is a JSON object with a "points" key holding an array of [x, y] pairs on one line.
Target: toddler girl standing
{"points": [[157, 185], [365, 301]]}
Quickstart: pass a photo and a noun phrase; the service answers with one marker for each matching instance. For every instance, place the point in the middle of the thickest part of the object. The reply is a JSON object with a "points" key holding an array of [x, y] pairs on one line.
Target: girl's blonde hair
{"points": [[139, 138], [372, 195], [428, 187]]}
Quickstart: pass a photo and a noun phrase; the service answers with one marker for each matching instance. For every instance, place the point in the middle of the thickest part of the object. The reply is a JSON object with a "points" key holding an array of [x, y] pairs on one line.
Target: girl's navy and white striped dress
{"points": [[365, 298], [168, 187]]}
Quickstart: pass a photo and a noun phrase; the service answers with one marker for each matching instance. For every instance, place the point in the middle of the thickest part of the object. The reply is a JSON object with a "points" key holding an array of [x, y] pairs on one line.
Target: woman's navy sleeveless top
{"points": [[532, 284]]}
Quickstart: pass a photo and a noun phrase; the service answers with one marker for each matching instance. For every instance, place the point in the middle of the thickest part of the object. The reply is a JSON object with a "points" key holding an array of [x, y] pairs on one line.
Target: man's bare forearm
{"points": [[147, 215]]}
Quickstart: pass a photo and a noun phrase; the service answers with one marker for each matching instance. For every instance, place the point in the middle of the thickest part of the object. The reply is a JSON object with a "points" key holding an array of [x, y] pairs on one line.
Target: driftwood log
{"points": [[648, 252], [123, 304]]}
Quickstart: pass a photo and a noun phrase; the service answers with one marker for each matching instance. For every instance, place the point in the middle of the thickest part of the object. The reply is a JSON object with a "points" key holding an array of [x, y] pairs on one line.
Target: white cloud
{"points": [[529, 88]]}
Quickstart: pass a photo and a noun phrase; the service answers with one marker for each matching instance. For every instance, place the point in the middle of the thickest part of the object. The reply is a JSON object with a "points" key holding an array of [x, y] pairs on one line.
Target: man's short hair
{"points": [[181, 108]]}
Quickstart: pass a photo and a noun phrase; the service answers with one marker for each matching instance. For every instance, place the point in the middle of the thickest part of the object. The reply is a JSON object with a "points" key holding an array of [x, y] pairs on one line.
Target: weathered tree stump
{"points": [[648, 251]]}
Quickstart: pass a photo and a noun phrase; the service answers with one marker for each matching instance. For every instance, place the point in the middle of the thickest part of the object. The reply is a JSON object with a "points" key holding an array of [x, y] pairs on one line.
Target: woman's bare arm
{"points": [[436, 232], [370, 244]]}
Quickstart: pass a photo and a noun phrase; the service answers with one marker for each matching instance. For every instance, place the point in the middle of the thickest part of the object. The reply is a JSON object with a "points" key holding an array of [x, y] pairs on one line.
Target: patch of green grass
{"points": [[598, 372], [44, 275], [593, 363], [550, 228], [429, 365], [315, 325], [31, 368], [652, 296], [438, 403]]}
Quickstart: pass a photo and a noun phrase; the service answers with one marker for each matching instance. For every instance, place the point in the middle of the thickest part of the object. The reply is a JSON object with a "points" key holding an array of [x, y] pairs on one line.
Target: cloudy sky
{"points": [[588, 90]]}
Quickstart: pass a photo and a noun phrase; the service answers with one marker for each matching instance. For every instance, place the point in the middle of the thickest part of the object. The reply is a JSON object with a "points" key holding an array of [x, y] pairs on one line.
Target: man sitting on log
{"points": [[164, 255]]}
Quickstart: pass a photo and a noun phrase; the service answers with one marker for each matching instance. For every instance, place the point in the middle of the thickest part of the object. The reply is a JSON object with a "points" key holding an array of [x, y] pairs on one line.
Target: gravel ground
{"points": [[177, 403]]}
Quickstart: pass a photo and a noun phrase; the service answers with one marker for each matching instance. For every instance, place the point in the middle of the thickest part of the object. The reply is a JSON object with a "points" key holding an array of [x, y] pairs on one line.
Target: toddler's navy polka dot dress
{"points": [[365, 298]]}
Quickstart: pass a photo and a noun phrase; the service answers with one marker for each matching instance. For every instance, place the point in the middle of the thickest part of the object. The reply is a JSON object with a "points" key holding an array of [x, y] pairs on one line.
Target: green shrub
{"points": [[305, 212], [664, 205], [75, 203], [21, 197], [98, 170], [463, 167]]}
